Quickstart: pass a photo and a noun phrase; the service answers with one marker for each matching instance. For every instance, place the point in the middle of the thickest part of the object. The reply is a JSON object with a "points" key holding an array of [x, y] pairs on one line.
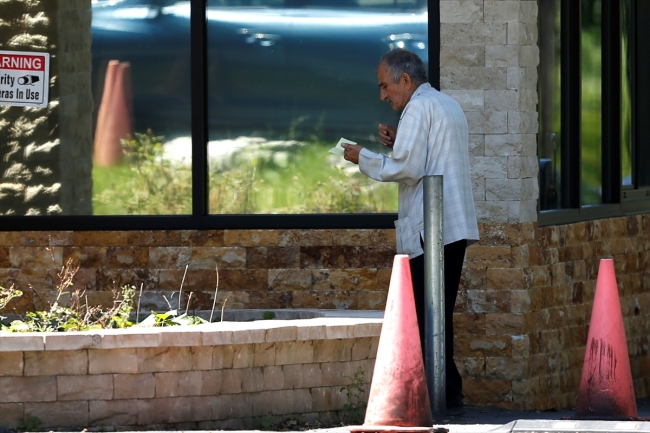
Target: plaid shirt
{"points": [[432, 139]]}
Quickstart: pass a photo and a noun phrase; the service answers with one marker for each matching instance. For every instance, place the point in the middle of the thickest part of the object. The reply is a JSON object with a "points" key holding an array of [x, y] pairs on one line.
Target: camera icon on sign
{"points": [[28, 79]]}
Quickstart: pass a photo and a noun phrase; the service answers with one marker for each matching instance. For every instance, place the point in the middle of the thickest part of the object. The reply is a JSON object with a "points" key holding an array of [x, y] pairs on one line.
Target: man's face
{"points": [[397, 94]]}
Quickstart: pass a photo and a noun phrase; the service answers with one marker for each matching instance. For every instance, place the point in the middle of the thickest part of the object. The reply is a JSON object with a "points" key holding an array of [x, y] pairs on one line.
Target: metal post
{"points": [[434, 295]]}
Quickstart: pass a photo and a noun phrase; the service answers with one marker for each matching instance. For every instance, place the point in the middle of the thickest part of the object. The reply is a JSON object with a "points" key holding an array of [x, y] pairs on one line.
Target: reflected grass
{"points": [[300, 179]]}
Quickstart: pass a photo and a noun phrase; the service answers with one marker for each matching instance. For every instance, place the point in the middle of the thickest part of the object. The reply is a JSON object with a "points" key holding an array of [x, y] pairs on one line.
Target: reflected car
{"points": [[283, 67]]}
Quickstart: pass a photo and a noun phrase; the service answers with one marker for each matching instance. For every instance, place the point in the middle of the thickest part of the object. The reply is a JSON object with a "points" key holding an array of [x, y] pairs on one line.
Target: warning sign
{"points": [[24, 78]]}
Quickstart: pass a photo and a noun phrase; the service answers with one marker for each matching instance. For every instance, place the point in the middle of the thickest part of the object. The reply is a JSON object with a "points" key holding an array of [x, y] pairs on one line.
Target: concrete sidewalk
{"points": [[495, 420]]}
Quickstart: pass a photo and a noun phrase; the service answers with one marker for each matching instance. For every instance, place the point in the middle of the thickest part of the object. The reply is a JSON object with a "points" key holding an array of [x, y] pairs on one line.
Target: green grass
{"points": [[265, 179]]}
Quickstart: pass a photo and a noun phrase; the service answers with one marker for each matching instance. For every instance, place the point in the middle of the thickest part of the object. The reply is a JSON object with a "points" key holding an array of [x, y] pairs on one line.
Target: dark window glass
{"points": [[549, 137], [287, 80], [141, 85], [627, 37], [591, 114]]}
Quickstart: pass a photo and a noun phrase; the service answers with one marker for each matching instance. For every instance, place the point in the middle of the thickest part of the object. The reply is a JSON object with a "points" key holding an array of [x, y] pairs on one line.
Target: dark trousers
{"points": [[454, 257]]}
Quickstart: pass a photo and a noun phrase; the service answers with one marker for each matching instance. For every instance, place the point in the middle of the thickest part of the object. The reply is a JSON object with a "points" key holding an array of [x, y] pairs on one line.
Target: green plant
{"points": [[7, 295], [268, 315], [266, 422], [77, 315], [29, 423], [171, 318], [354, 410]]}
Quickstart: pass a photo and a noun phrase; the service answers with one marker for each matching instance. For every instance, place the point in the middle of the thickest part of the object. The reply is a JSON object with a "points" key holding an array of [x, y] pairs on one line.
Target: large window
{"points": [[592, 139], [220, 113], [285, 80]]}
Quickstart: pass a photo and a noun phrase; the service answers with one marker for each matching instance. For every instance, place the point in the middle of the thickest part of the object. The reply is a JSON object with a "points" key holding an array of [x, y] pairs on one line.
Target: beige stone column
{"points": [[488, 60]]}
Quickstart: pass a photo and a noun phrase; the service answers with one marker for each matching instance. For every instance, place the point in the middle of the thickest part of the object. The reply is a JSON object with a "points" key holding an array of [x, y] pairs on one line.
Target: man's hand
{"points": [[387, 135], [351, 152]]}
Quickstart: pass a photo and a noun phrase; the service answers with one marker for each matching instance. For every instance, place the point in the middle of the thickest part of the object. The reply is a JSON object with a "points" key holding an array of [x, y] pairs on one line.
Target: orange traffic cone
{"points": [[399, 400], [114, 115], [606, 389]]}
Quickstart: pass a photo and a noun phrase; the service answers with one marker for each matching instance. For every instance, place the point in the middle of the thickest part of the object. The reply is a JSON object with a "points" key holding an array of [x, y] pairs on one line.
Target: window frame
{"points": [[617, 200], [201, 219]]}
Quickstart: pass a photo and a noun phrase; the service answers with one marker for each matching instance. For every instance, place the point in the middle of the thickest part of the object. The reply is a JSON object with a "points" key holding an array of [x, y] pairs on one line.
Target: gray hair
{"points": [[401, 61]]}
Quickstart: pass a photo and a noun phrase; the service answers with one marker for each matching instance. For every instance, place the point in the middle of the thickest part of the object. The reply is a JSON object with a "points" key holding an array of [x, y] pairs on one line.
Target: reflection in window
{"points": [[141, 87], [591, 114], [285, 82], [626, 92], [549, 143]]}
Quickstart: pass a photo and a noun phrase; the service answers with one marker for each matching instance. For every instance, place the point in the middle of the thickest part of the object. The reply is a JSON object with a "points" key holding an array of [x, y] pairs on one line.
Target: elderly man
{"points": [[430, 139]]}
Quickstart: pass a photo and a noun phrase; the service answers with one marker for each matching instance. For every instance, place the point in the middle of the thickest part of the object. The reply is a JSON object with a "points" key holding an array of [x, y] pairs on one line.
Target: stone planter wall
{"points": [[220, 376]]}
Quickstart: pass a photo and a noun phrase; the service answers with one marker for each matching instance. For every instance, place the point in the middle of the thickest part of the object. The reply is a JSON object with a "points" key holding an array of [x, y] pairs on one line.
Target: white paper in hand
{"points": [[338, 150]]}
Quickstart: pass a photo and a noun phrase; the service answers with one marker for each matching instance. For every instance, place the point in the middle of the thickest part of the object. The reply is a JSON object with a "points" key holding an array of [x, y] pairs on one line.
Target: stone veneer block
{"points": [[273, 377], [10, 342], [178, 384], [211, 382], [251, 238], [27, 389], [201, 357], [462, 11], [215, 337], [180, 336], [72, 341], [59, 413], [344, 330], [222, 357], [302, 376], [241, 406], [112, 413], [11, 414], [294, 352], [112, 361], [44, 363], [333, 371], [361, 349], [87, 387], [129, 386], [11, 364], [159, 359], [332, 350], [365, 329], [313, 331], [243, 356], [264, 354], [283, 332], [130, 338], [245, 332]]}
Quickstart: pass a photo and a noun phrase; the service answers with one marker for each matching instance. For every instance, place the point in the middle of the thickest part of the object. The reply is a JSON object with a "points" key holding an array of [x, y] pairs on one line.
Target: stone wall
{"points": [[488, 63], [46, 165], [524, 309], [335, 269], [222, 376], [521, 318]]}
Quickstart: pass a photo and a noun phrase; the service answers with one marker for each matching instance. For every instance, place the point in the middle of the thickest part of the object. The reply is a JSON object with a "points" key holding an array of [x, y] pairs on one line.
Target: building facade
{"points": [[527, 289]]}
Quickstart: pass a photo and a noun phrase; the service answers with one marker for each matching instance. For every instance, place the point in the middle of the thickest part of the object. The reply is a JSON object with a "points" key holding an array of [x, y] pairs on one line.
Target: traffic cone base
{"points": [[399, 399], [606, 389]]}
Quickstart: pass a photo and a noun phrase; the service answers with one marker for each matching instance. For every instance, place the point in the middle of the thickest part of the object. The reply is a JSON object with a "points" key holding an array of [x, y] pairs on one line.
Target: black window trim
{"points": [[617, 200], [200, 218]]}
